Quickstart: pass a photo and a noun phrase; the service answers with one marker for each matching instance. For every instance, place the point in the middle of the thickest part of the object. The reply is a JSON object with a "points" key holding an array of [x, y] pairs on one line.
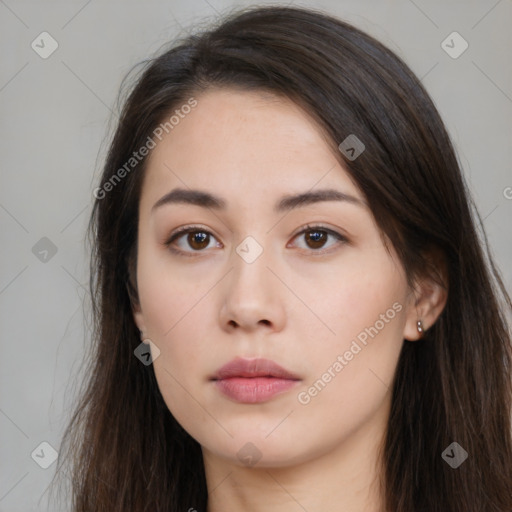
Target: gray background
{"points": [[55, 114]]}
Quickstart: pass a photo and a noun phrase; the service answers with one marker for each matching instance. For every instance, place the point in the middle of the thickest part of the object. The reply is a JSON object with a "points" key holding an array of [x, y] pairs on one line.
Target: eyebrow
{"points": [[286, 203]]}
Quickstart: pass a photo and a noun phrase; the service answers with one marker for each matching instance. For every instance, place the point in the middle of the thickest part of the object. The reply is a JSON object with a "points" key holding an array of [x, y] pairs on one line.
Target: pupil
{"points": [[198, 238], [317, 238]]}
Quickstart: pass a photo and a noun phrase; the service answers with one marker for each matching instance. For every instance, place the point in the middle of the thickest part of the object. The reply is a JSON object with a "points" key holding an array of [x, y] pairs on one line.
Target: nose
{"points": [[253, 297]]}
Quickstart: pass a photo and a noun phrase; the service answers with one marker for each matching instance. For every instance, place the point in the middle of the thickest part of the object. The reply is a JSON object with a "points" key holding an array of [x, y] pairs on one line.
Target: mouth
{"points": [[253, 380]]}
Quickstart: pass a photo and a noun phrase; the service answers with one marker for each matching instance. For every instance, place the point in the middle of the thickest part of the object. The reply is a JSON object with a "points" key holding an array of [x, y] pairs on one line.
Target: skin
{"points": [[295, 305]]}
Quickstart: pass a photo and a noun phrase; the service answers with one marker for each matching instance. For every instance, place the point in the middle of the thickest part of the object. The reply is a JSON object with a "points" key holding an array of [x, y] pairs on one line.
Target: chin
{"points": [[251, 451]]}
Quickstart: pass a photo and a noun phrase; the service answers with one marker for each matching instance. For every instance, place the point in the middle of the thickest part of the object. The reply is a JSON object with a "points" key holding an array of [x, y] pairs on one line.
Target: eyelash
{"points": [[191, 229]]}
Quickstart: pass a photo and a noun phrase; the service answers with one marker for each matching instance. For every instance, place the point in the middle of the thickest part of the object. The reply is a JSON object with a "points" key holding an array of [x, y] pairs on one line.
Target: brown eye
{"points": [[198, 239], [190, 240], [316, 238]]}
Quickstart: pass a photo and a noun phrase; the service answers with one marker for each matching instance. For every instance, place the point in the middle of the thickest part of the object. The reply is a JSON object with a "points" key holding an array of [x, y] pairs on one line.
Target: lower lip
{"points": [[254, 390]]}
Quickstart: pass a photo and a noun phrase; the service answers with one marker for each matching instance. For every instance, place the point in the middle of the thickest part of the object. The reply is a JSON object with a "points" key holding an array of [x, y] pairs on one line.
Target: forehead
{"points": [[252, 142]]}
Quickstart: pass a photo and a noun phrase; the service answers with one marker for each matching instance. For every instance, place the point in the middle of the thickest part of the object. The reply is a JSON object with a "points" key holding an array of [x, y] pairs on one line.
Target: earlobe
{"points": [[414, 329], [430, 302]]}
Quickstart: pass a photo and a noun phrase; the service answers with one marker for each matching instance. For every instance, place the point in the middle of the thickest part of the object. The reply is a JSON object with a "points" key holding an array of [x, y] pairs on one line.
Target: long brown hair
{"points": [[125, 449]]}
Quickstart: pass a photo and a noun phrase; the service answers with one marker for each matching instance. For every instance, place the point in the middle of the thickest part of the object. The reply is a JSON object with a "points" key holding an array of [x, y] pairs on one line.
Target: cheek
{"points": [[365, 307], [168, 295], [177, 323], [353, 295]]}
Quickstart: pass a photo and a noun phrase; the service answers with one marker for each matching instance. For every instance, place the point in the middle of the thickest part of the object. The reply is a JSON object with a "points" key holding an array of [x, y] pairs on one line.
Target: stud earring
{"points": [[419, 325]]}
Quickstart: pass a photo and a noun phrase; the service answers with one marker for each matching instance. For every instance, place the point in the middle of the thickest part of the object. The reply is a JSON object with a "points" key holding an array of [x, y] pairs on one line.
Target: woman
{"points": [[282, 222]]}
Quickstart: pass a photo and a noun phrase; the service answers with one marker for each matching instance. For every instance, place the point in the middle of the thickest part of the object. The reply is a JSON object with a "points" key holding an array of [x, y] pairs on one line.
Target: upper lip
{"points": [[240, 367]]}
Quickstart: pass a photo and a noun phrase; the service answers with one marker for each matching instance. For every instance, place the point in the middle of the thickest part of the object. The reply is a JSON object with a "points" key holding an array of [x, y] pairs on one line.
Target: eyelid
{"points": [[319, 227], [185, 229]]}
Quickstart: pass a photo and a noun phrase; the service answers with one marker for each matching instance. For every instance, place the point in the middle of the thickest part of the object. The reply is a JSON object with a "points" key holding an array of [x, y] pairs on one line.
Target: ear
{"points": [[132, 290], [428, 298], [138, 317]]}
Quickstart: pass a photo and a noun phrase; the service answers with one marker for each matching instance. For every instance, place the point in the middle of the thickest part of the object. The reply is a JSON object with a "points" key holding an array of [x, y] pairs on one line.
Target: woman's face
{"points": [[250, 280]]}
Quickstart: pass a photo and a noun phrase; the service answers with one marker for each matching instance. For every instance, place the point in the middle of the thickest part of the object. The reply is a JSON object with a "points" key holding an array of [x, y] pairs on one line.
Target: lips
{"points": [[252, 381], [251, 368]]}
